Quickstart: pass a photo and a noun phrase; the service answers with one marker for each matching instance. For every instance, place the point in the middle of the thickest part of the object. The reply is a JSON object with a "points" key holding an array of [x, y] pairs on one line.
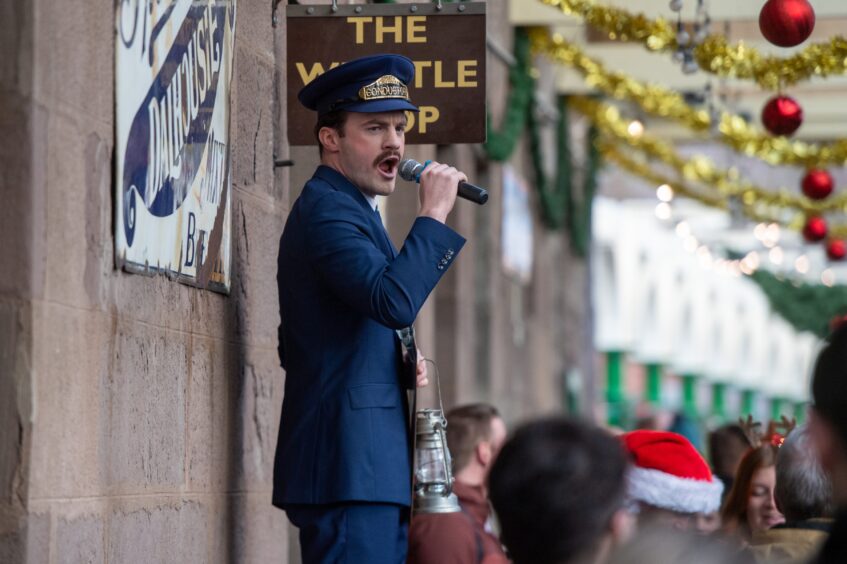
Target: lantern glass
{"points": [[431, 468]]}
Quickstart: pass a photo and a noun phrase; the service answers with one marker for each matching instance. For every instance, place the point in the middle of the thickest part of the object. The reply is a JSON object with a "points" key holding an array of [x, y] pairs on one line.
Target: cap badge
{"points": [[386, 86]]}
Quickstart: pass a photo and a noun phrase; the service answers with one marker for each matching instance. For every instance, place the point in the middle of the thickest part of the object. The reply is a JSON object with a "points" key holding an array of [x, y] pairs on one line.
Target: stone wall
{"points": [[138, 416]]}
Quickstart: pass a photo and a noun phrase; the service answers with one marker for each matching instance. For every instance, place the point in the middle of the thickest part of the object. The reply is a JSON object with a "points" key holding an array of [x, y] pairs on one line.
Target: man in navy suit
{"points": [[342, 470]]}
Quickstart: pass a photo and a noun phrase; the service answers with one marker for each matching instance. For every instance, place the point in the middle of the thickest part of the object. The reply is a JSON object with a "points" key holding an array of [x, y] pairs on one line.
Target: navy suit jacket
{"points": [[343, 290]]}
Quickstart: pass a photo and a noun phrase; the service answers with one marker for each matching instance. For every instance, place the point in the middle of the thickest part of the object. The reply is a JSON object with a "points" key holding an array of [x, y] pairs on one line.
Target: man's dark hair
{"points": [[727, 445], [803, 491], [555, 487], [335, 120], [829, 384], [467, 426]]}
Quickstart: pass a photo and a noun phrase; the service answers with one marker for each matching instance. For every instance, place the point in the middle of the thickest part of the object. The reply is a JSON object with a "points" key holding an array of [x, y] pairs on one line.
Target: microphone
{"points": [[411, 170]]}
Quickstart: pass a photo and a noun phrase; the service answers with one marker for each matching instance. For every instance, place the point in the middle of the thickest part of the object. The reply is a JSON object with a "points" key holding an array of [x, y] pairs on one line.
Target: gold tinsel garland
{"points": [[700, 169], [662, 102], [612, 154], [715, 54]]}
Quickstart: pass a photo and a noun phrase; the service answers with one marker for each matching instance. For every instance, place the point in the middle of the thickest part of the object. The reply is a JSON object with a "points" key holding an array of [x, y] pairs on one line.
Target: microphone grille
{"points": [[408, 169]]}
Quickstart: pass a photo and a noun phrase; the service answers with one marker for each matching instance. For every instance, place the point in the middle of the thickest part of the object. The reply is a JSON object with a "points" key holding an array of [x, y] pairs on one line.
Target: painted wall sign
{"points": [[172, 180], [447, 44]]}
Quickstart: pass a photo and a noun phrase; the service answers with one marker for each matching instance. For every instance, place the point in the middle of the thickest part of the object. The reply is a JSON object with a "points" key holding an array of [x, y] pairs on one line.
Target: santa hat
{"points": [[669, 473]]}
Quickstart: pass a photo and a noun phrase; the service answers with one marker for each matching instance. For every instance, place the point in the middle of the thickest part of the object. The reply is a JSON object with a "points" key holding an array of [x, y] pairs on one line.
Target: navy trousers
{"points": [[351, 533]]}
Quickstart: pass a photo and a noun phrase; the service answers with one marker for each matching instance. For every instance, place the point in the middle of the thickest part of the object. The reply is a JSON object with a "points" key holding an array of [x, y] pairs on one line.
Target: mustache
{"points": [[387, 154]]}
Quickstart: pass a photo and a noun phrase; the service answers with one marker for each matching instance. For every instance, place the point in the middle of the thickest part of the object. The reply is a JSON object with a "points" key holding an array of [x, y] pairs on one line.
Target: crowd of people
{"points": [[567, 491]]}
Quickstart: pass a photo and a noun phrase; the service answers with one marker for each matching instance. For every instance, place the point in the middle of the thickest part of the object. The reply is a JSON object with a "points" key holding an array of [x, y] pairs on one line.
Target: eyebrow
{"points": [[384, 122]]}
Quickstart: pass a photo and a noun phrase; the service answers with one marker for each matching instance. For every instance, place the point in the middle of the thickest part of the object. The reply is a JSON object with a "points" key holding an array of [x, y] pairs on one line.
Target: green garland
{"points": [[807, 307], [500, 145], [580, 223], [556, 201], [558, 206]]}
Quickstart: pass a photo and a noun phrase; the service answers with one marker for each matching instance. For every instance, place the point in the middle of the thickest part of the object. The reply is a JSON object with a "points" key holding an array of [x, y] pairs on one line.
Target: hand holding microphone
{"points": [[412, 170]]}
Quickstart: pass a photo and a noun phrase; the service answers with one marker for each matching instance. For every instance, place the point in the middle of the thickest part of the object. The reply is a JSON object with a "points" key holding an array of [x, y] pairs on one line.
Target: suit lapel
{"points": [[378, 233]]}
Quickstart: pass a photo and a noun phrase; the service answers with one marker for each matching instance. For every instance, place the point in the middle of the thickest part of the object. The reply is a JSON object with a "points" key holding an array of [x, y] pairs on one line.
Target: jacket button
{"points": [[440, 267]]}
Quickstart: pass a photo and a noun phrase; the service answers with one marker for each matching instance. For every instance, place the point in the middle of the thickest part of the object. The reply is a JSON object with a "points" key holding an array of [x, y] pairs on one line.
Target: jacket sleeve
{"points": [[346, 260]]}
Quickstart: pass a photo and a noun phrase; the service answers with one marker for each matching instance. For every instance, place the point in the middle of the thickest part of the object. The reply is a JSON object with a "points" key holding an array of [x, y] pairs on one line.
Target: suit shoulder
{"points": [[321, 198]]}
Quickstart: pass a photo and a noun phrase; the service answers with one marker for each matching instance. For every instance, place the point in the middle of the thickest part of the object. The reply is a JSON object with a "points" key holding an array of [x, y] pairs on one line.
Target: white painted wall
{"points": [[660, 303]]}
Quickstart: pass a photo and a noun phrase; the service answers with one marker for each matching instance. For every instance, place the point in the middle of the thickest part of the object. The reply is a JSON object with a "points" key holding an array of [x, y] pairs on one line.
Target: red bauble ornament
{"points": [[836, 249], [815, 229], [787, 23], [817, 184], [782, 115]]}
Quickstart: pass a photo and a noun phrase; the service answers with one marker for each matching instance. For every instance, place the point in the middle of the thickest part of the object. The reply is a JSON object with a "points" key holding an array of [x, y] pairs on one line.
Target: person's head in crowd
{"points": [[727, 445], [661, 545], [750, 506], [558, 490], [803, 490], [682, 424], [671, 483], [828, 417], [475, 435]]}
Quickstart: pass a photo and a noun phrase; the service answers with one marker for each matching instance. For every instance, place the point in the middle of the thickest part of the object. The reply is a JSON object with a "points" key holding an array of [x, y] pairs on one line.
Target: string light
{"points": [[828, 277], [664, 193], [635, 128], [776, 255], [683, 229], [690, 244], [801, 263], [663, 211]]}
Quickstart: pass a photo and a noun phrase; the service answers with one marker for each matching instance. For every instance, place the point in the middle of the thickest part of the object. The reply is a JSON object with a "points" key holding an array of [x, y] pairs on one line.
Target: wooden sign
{"points": [[447, 45]]}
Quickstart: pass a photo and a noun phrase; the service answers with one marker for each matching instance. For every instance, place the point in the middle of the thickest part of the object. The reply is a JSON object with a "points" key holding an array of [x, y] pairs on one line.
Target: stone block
{"points": [[258, 531], [259, 403], [69, 358], [22, 144], [143, 428], [74, 270], [235, 395], [167, 304], [254, 28], [29, 543], [75, 67], [255, 246], [159, 533], [16, 30], [15, 342], [80, 540], [253, 125], [210, 417]]}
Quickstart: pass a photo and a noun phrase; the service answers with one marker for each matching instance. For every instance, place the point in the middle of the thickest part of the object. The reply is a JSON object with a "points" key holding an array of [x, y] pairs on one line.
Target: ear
{"points": [[329, 139], [621, 526], [483, 453]]}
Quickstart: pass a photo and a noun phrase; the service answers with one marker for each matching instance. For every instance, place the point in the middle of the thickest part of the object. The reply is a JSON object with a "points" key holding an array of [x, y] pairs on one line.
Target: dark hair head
{"points": [[334, 120], [555, 487], [467, 426], [734, 510], [829, 383], [727, 444], [803, 491]]}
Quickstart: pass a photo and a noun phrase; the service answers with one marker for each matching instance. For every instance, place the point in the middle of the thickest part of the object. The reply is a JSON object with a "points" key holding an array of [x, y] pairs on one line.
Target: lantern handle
{"points": [[437, 383], [442, 426]]}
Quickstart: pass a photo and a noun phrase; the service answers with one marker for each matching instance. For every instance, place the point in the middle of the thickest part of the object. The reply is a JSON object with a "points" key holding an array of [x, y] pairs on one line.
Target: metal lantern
{"points": [[433, 477]]}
